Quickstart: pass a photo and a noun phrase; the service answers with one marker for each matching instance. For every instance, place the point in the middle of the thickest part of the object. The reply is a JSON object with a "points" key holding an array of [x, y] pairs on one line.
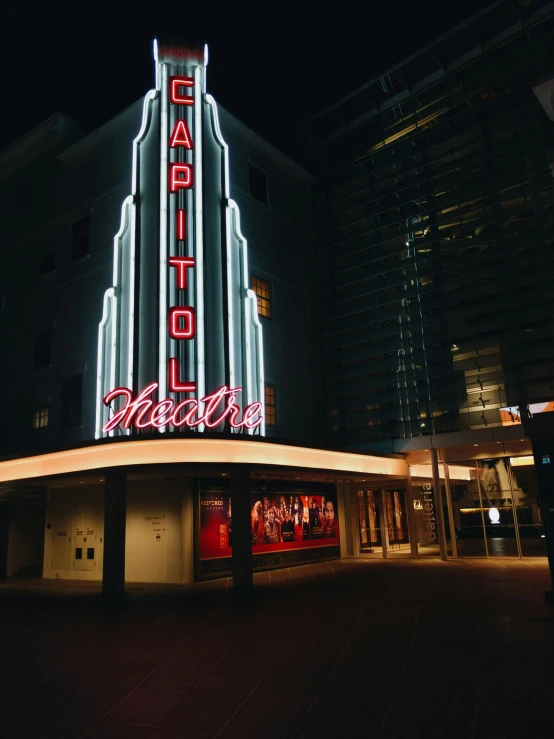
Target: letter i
{"points": [[181, 224]]}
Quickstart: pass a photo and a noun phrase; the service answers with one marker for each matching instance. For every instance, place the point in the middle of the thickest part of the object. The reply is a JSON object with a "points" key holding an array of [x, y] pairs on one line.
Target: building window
{"points": [[71, 402], [262, 288], [80, 239], [270, 402], [40, 418], [258, 184], [43, 348], [47, 263]]}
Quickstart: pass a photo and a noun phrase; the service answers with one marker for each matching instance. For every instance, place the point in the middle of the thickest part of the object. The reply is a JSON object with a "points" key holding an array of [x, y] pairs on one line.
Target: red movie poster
{"points": [[215, 525], [282, 521], [279, 522]]}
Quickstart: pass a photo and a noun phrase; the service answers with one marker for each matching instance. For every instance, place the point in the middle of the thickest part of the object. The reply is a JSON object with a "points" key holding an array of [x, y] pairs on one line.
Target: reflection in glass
{"points": [[425, 516], [393, 524], [496, 512], [368, 518]]}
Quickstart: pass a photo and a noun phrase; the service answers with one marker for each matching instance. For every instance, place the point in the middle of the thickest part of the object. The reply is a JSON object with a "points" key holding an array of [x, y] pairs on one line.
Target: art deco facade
{"points": [[406, 369]]}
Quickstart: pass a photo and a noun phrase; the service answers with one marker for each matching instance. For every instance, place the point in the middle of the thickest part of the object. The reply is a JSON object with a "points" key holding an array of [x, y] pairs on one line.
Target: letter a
{"points": [[181, 135]]}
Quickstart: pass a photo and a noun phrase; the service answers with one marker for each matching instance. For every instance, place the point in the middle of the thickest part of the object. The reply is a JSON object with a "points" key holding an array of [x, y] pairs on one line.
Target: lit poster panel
{"points": [[215, 525], [278, 522]]}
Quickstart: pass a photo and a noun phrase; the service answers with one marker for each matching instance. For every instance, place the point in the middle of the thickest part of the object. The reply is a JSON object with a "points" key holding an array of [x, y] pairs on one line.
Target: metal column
{"points": [[412, 528], [438, 504], [450, 510]]}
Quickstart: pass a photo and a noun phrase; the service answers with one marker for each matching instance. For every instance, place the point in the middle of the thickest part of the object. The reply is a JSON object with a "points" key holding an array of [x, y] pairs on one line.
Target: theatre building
{"points": [[217, 361], [160, 366]]}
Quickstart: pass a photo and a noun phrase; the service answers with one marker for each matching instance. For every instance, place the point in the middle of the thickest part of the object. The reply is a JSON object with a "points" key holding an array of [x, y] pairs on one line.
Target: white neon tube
{"points": [[229, 255], [164, 135], [260, 355], [106, 313], [110, 294], [199, 239], [251, 312]]}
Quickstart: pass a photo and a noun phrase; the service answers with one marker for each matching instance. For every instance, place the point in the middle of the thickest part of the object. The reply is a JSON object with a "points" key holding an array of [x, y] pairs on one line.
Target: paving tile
{"points": [[211, 700], [170, 662], [146, 705], [201, 720], [21, 726], [108, 730], [224, 683], [253, 726]]}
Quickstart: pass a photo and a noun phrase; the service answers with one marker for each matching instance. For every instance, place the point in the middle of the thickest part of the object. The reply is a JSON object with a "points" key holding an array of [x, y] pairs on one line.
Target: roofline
{"points": [[405, 60], [265, 146]]}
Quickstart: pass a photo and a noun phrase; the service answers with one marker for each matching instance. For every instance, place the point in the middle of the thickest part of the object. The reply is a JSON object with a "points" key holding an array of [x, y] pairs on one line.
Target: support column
{"points": [[451, 521], [343, 495], [384, 527], [543, 453], [115, 512], [243, 581], [354, 521], [439, 516], [412, 528]]}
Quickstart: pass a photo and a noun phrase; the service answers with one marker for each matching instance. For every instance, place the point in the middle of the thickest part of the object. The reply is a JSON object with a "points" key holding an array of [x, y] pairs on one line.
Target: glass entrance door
{"points": [[396, 521], [369, 521], [383, 522]]}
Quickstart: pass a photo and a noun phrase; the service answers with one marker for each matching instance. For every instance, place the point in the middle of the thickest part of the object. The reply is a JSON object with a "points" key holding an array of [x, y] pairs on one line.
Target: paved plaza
{"points": [[384, 649]]}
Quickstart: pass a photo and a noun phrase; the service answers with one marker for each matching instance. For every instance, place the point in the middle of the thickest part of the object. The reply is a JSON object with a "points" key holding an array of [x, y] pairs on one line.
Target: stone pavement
{"points": [[382, 649]]}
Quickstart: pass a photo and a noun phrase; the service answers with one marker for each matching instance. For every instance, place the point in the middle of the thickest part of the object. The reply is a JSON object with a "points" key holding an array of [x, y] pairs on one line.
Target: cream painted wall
{"points": [[159, 537], [62, 519], [153, 541]]}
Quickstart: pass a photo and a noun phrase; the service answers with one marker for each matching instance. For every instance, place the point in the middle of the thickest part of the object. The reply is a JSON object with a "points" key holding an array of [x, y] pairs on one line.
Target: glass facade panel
{"points": [[496, 510], [528, 512]]}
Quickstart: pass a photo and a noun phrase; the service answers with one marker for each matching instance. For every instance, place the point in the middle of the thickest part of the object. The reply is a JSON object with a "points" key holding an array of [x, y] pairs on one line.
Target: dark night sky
{"points": [[271, 64]]}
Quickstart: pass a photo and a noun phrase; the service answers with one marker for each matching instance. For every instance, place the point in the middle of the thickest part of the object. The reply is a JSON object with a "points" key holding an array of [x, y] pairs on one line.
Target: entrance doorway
{"points": [[383, 522]]}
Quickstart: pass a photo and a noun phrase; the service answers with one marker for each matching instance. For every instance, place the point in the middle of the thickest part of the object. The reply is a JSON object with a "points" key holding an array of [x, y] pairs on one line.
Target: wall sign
{"points": [[180, 343]]}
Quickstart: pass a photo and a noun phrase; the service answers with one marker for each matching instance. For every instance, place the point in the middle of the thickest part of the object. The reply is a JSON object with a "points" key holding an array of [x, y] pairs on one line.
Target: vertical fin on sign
{"points": [[115, 364], [244, 328]]}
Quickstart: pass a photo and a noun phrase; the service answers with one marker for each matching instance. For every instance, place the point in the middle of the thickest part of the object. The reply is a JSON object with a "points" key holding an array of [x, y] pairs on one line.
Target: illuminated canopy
{"points": [[195, 451]]}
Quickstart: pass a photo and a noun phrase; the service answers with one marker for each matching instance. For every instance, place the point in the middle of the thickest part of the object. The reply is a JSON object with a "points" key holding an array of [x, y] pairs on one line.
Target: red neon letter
{"points": [[187, 418], [116, 419], [180, 135], [234, 411], [158, 412], [181, 263], [176, 182], [176, 331], [250, 411], [212, 401], [175, 93], [139, 408], [181, 225], [175, 384]]}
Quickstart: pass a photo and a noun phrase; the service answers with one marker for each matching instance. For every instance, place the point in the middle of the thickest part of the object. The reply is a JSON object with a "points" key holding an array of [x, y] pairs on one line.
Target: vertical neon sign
{"points": [[171, 219]]}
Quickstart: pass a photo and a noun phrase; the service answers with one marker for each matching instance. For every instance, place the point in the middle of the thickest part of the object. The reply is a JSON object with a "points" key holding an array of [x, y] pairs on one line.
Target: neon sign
{"points": [[182, 321], [142, 412]]}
